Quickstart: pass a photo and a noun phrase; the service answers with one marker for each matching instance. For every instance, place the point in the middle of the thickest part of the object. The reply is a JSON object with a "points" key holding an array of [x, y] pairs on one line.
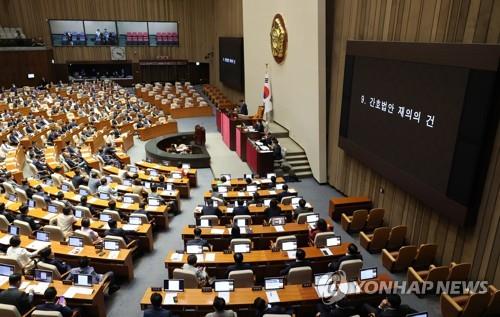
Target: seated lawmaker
{"points": [[352, 254], [47, 257], [220, 309], [273, 210], [284, 193], [300, 209], [199, 271], [300, 261], [241, 209], [262, 308], [119, 232], [238, 264], [15, 297], [198, 240], [51, 304], [156, 310], [211, 210]]}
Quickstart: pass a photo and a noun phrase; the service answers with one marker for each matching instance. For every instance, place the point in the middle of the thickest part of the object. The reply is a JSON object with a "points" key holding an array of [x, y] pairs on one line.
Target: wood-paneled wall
{"points": [[462, 21], [195, 18], [228, 22]]}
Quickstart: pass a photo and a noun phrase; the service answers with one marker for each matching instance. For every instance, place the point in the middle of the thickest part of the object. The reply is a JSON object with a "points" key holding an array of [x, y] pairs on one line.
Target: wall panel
{"points": [[467, 21]]}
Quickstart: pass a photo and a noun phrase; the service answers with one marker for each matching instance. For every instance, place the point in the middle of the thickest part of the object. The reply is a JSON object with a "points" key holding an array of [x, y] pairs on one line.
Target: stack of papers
{"points": [[75, 251], [229, 210], [169, 298], [209, 257], [272, 297], [279, 228], [3, 279], [217, 231], [125, 205], [177, 257], [241, 194], [38, 288], [200, 257], [37, 245], [49, 216], [113, 255], [130, 227], [73, 290], [291, 254], [272, 192]]}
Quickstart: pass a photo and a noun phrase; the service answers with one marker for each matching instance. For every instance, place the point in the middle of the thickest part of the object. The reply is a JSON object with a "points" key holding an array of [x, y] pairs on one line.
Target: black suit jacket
{"points": [[211, 211], [273, 212], [237, 267], [241, 211], [78, 180], [292, 265], [28, 219], [13, 296], [153, 312], [118, 232]]}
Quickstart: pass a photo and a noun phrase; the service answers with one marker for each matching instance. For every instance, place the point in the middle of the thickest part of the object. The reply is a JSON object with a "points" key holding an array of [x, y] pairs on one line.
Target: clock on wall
{"points": [[279, 39], [118, 53]]}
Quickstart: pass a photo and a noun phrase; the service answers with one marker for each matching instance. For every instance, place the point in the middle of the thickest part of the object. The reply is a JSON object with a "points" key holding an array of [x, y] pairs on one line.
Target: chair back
{"points": [[494, 304], [425, 255], [55, 233], [143, 217], [476, 305], [396, 238], [86, 188], [21, 195], [438, 273], [242, 278], [85, 211], [379, 238], [4, 223], [302, 218], [459, 272], [190, 280], [9, 311], [351, 269], [227, 312], [120, 240], [287, 200], [212, 219], [283, 239], [116, 179], [113, 214], [239, 241], [405, 257], [299, 275], [358, 220], [49, 267], [33, 169], [321, 237], [375, 218], [9, 188], [85, 237], [55, 180], [70, 185], [9, 260], [136, 198], [46, 313], [24, 227], [247, 218], [40, 202]]}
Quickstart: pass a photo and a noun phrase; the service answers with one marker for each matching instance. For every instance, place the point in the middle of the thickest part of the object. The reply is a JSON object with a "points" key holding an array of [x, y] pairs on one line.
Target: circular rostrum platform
{"points": [[156, 150]]}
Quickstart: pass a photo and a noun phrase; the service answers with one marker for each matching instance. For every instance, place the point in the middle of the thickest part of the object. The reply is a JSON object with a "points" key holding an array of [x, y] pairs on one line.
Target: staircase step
{"points": [[298, 162], [303, 174], [301, 168], [295, 158]]}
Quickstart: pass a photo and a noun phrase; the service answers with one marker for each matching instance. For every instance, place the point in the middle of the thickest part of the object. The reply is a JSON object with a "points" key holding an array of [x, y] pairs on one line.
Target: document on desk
{"points": [[170, 180], [176, 257], [217, 231], [38, 288], [265, 148], [37, 245], [5, 240], [279, 228], [326, 251], [200, 257], [73, 290], [224, 194], [229, 210], [169, 298], [291, 190], [224, 295], [92, 200], [130, 227], [241, 194], [75, 251], [243, 230], [209, 257], [272, 192], [49, 216], [126, 206], [291, 254], [259, 143], [272, 297], [24, 284], [113, 255], [3, 279]]}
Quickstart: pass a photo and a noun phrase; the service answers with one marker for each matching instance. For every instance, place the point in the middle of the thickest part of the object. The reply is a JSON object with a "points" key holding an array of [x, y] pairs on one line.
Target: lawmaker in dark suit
{"points": [[78, 179], [273, 210], [238, 264], [51, 305], [115, 231], [23, 216], [198, 240], [389, 307], [352, 254], [8, 215], [210, 210], [284, 193], [241, 210], [156, 310], [13, 296], [261, 308], [243, 108], [342, 308], [300, 261]]}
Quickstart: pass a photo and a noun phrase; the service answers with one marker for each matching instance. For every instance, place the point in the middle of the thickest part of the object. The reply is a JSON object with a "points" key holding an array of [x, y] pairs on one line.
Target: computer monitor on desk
{"points": [[224, 285], [173, 285]]}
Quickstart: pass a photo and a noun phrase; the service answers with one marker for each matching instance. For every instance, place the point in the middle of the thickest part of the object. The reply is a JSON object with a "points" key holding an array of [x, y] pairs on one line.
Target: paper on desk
{"points": [[170, 180], [105, 226], [272, 192], [279, 228], [243, 230], [92, 200], [130, 227], [224, 295], [264, 147], [3, 279], [291, 190], [265, 181], [200, 257], [224, 194], [37, 245], [73, 290], [75, 251], [209, 257], [5, 240], [38, 288], [217, 231], [229, 210], [198, 209], [272, 297], [327, 250], [113, 255], [291, 254], [241, 194], [24, 284], [169, 298], [259, 143], [177, 257], [49, 216], [126, 205]]}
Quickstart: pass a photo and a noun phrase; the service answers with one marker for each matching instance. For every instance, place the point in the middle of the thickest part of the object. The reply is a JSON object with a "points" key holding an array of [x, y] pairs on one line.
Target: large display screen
{"points": [[231, 67], [410, 120]]}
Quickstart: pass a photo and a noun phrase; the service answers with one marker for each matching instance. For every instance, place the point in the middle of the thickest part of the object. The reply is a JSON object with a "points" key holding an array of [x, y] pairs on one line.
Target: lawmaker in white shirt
{"points": [[22, 255], [88, 231], [104, 188]]}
